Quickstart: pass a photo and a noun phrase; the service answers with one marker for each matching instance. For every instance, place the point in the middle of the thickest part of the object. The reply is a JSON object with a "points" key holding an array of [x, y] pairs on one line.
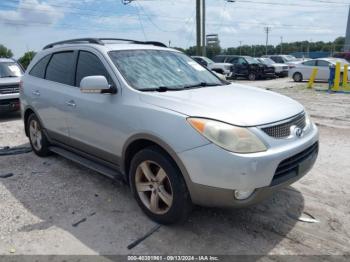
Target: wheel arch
{"points": [[27, 112], [141, 141]]}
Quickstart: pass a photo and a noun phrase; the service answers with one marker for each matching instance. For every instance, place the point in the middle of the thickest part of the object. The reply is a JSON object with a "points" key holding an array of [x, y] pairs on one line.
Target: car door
{"points": [[323, 70], [243, 66], [93, 117], [51, 93], [306, 68]]}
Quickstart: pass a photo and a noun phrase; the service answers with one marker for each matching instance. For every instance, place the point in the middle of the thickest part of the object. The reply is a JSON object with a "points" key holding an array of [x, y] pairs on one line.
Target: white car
{"points": [[303, 70], [225, 69], [281, 70]]}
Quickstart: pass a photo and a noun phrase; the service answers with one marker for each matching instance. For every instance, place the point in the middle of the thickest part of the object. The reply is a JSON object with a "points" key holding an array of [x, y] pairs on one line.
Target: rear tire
{"points": [[158, 186], [297, 77], [37, 138]]}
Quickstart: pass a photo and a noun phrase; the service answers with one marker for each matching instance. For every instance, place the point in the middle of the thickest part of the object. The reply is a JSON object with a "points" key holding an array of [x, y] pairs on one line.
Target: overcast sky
{"points": [[31, 24]]}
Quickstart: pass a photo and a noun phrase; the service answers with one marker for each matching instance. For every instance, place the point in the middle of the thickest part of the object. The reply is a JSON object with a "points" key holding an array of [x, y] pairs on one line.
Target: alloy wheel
{"points": [[35, 134], [153, 187]]}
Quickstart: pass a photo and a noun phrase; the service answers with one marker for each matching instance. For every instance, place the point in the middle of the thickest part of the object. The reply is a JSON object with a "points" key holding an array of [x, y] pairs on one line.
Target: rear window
{"points": [[61, 68], [310, 63], [38, 69]]}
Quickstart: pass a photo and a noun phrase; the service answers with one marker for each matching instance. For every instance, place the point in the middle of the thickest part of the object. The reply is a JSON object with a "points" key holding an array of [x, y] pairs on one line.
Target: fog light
{"points": [[243, 194]]}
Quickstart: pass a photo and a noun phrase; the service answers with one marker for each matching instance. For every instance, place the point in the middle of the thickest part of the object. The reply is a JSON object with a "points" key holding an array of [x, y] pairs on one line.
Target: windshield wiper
{"points": [[159, 89], [201, 84]]}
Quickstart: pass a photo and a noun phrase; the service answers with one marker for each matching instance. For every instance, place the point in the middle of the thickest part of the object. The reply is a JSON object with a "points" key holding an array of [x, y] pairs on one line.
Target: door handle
{"points": [[36, 92], [71, 103]]}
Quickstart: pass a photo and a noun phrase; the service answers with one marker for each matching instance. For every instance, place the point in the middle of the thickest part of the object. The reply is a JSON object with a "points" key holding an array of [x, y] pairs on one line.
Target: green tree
{"points": [[4, 52], [26, 58]]}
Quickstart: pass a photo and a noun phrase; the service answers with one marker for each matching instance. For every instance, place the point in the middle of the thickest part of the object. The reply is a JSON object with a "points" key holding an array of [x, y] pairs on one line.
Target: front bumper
{"points": [[9, 102], [215, 173]]}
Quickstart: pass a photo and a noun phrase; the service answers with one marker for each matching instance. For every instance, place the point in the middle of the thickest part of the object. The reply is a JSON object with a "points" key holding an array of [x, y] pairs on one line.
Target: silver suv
{"points": [[10, 76], [170, 128]]}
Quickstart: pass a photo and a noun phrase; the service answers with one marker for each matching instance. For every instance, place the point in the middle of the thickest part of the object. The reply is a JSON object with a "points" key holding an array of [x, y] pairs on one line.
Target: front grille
{"points": [[283, 130], [9, 89], [288, 168], [285, 68]]}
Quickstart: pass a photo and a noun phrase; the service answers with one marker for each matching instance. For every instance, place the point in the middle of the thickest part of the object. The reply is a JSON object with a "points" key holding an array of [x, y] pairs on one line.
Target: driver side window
{"points": [[90, 65]]}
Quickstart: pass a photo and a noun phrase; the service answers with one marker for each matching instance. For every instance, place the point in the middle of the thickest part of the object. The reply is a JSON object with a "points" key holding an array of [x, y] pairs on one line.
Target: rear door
{"points": [[54, 78], [323, 70], [306, 68]]}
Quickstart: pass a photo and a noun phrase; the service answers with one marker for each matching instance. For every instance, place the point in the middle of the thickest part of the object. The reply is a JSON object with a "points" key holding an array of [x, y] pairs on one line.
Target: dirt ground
{"points": [[54, 206]]}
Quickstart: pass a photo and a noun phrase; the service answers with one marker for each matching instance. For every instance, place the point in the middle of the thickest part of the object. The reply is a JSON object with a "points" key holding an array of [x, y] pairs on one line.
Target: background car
{"points": [[10, 74], [303, 71], [225, 69], [291, 61], [281, 70], [248, 67]]}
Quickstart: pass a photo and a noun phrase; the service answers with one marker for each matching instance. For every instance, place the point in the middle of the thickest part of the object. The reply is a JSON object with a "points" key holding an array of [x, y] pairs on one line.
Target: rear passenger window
{"points": [[89, 65], [61, 68], [38, 69], [310, 63]]}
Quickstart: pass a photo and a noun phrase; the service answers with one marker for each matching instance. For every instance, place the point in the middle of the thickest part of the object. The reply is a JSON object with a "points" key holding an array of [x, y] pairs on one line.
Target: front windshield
{"points": [[252, 60], [290, 58], [9, 69], [268, 61], [151, 69]]}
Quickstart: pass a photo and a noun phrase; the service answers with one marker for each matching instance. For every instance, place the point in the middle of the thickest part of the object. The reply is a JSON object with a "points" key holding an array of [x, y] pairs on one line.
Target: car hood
{"points": [[235, 104], [9, 80]]}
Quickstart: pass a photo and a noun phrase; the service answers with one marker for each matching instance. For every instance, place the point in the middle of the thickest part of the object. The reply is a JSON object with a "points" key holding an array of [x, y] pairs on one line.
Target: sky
{"points": [[31, 24]]}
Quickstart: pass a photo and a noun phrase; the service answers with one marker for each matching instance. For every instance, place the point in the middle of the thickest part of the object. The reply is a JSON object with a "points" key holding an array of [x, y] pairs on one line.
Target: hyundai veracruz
{"points": [[170, 128]]}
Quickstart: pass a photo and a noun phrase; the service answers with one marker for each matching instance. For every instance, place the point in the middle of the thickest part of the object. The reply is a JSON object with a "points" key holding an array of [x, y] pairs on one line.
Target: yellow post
{"points": [[336, 77], [345, 78], [312, 78]]}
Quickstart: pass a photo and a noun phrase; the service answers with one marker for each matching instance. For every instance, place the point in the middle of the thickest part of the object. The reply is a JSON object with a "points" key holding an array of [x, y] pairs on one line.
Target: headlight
{"points": [[232, 138]]}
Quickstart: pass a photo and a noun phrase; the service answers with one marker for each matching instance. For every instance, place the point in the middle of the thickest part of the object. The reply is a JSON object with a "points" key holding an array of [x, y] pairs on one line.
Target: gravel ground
{"points": [[54, 206]]}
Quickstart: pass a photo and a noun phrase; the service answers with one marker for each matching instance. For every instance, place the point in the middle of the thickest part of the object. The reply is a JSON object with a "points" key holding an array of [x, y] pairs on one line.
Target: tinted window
{"points": [[277, 59], [242, 61], [219, 59], [38, 69], [322, 63], [232, 60], [310, 63], [61, 68], [89, 65]]}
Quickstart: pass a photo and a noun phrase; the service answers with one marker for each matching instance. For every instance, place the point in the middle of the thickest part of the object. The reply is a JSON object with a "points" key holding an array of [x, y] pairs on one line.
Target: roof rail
{"points": [[135, 41], [75, 41], [99, 41]]}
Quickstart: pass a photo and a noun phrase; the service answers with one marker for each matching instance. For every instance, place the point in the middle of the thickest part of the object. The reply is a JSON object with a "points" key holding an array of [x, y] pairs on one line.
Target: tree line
{"points": [[250, 50]]}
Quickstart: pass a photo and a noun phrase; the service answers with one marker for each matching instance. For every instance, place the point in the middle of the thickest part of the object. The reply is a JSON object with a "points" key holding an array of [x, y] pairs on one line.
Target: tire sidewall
{"points": [[181, 200], [252, 76], [300, 77], [44, 151]]}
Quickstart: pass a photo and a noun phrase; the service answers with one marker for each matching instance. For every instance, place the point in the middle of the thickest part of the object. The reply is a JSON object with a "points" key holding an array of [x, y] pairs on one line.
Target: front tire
{"points": [[158, 186], [37, 138]]}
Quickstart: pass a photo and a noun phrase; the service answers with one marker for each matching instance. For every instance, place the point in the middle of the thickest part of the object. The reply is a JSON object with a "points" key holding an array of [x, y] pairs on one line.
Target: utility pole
{"points": [[267, 30], [240, 47], [198, 23], [204, 49], [281, 45]]}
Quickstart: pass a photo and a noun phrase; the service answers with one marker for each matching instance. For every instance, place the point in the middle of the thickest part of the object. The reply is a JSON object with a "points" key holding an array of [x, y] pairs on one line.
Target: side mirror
{"points": [[96, 85]]}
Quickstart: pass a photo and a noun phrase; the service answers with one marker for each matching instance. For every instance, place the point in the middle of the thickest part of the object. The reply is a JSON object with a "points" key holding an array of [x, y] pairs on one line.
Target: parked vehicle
{"points": [[291, 61], [10, 74], [281, 70], [303, 70], [343, 55], [246, 66], [169, 127], [225, 69]]}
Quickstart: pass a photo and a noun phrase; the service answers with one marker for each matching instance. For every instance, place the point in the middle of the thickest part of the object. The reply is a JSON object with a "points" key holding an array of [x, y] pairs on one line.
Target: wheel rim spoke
{"points": [[165, 196], [147, 171], [161, 175], [154, 203], [144, 186]]}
